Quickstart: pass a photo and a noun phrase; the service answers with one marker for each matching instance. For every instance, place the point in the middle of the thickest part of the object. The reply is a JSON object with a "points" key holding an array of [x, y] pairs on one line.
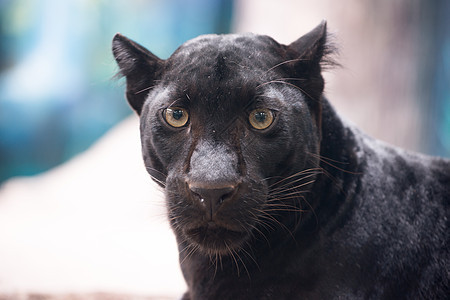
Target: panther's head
{"points": [[230, 127]]}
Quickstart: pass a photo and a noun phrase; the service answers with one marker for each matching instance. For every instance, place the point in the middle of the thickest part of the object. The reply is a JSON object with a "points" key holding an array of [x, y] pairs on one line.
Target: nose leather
{"points": [[212, 198]]}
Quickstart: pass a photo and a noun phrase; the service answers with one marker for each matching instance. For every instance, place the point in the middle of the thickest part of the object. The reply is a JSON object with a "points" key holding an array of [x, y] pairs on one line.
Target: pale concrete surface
{"points": [[96, 223]]}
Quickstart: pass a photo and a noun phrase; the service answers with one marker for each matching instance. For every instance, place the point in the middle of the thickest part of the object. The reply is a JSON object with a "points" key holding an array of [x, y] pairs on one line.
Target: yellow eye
{"points": [[261, 118], [176, 117]]}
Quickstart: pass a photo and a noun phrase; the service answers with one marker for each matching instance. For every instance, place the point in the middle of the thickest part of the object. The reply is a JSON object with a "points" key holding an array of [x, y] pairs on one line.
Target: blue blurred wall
{"points": [[57, 95], [434, 71]]}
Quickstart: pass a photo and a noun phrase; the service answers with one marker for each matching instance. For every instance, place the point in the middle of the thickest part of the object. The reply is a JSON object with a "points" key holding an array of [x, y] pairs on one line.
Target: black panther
{"points": [[270, 194]]}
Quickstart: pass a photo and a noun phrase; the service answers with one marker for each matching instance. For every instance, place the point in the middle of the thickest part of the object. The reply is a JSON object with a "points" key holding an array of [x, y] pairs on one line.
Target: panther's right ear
{"points": [[139, 66]]}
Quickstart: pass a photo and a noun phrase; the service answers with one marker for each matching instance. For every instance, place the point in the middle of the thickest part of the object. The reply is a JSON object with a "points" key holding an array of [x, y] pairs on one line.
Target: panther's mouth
{"points": [[216, 239]]}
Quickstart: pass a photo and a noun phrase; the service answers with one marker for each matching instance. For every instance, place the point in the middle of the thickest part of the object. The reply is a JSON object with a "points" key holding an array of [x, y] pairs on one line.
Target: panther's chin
{"points": [[214, 239]]}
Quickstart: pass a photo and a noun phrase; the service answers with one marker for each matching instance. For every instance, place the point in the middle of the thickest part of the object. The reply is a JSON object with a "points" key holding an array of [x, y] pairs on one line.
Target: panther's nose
{"points": [[212, 198]]}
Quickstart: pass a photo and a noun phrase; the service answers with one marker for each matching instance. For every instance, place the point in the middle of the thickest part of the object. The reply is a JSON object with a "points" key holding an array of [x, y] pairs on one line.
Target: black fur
{"points": [[309, 208]]}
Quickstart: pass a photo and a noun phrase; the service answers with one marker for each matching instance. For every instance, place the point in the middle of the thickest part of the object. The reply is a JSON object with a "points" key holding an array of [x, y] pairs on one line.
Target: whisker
{"points": [[291, 78], [149, 169], [327, 160], [255, 227], [293, 193], [283, 63], [249, 255], [295, 197], [192, 250], [284, 209], [243, 263], [294, 175], [231, 252], [146, 89], [270, 217], [280, 205], [283, 188], [330, 176]]}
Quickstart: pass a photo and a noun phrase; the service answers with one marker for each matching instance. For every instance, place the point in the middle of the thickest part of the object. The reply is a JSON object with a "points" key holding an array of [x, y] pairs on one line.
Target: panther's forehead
{"points": [[246, 52], [205, 45], [211, 71]]}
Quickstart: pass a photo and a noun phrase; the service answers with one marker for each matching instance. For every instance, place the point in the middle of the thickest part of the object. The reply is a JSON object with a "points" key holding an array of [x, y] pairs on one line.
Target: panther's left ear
{"points": [[139, 66], [308, 55], [312, 47]]}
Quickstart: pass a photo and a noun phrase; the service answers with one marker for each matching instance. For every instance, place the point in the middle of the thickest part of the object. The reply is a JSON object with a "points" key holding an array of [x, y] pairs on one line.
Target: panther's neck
{"points": [[338, 143], [336, 184]]}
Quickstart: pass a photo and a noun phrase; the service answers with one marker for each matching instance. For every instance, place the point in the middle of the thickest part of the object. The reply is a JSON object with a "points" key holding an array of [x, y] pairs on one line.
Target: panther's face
{"points": [[230, 128]]}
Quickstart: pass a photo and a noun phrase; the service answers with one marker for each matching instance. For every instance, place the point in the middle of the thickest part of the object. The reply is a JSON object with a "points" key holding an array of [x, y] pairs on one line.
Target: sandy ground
{"points": [[95, 224]]}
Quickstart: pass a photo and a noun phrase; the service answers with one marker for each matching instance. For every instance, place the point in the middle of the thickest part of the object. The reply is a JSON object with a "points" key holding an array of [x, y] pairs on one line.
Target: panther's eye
{"points": [[261, 118], [176, 117]]}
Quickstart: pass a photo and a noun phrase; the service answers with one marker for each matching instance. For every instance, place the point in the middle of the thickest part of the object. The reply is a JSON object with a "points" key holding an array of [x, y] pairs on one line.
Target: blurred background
{"points": [[86, 206], [57, 95]]}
